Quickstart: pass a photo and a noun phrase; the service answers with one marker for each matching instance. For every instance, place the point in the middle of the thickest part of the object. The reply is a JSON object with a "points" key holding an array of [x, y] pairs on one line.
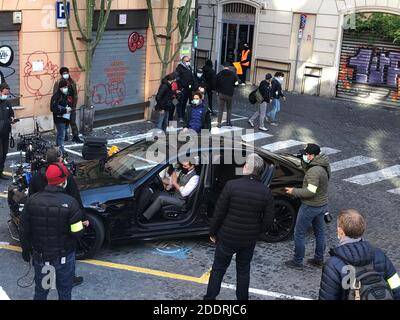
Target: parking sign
{"points": [[60, 14]]}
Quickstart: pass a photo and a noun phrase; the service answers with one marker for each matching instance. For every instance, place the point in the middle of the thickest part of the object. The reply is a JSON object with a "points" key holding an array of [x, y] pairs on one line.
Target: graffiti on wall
{"points": [[6, 60], [135, 41], [40, 74], [113, 92], [373, 67]]}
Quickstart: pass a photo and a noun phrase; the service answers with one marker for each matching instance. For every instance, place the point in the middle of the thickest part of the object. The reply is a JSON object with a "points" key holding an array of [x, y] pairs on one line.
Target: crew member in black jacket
{"points": [[244, 211], [50, 224], [263, 95], [164, 101], [226, 82], [210, 77], [186, 82], [6, 120]]}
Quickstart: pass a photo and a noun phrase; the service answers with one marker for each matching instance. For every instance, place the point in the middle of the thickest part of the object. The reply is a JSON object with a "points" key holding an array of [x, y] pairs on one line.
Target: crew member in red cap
{"points": [[50, 224]]}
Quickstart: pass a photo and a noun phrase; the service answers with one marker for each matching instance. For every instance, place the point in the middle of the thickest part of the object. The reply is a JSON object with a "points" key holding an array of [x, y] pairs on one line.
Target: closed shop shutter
{"points": [[9, 65], [118, 72], [369, 70]]}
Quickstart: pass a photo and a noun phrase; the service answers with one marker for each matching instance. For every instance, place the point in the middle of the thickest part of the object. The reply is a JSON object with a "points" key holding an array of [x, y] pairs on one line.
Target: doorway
{"points": [[234, 35], [236, 28]]}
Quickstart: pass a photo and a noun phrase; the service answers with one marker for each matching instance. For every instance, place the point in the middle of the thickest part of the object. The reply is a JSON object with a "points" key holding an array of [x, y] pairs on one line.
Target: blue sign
{"points": [[60, 14], [303, 20]]}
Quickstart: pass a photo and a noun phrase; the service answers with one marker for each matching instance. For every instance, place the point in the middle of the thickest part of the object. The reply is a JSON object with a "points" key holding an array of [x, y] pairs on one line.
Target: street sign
{"points": [[60, 14], [303, 21]]}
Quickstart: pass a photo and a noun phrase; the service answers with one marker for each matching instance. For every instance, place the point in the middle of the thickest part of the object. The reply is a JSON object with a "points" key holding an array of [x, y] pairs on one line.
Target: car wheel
{"points": [[92, 239], [284, 222]]}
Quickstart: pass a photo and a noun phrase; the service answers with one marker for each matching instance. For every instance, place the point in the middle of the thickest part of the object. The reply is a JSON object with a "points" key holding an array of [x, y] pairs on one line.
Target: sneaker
{"points": [[251, 122], [263, 129], [243, 84], [273, 123], [229, 124], [219, 126], [316, 263], [77, 140], [77, 281], [293, 264]]}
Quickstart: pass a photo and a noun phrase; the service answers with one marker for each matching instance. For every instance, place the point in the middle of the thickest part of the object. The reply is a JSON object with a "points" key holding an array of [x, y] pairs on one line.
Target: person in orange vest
{"points": [[245, 58]]}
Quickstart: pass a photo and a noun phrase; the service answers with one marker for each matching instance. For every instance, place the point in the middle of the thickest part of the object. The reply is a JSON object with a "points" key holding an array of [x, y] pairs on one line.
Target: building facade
{"points": [[313, 42], [126, 71]]}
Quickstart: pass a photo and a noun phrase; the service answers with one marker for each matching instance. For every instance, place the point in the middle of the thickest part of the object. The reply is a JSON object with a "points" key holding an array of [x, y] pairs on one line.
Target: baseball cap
{"points": [[268, 76], [311, 148], [56, 174]]}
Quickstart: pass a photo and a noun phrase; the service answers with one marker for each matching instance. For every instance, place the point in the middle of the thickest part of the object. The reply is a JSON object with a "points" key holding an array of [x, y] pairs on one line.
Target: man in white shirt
{"points": [[184, 187]]}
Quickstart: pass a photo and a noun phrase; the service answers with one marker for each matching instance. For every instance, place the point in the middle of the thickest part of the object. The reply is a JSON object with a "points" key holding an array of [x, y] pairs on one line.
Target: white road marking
{"points": [[255, 136], [3, 294], [376, 176], [221, 130], [15, 154], [282, 145], [395, 191], [73, 152], [350, 163], [267, 293], [328, 151]]}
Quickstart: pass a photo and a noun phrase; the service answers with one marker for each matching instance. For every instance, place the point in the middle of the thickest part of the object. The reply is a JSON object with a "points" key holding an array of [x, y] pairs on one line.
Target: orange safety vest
{"points": [[245, 54]]}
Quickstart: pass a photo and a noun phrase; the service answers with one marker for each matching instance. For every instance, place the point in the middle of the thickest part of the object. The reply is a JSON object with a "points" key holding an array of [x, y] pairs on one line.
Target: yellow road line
{"points": [[203, 279]]}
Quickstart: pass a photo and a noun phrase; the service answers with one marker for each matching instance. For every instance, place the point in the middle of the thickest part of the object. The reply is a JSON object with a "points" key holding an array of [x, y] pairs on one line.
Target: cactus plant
{"points": [[185, 21]]}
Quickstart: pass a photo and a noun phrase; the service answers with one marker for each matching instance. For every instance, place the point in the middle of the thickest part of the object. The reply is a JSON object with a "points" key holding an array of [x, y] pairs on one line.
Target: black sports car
{"points": [[116, 192]]}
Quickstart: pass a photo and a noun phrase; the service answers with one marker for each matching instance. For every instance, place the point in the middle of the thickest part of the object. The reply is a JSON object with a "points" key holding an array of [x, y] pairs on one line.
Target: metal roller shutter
{"points": [[118, 71], [369, 70], [11, 72]]}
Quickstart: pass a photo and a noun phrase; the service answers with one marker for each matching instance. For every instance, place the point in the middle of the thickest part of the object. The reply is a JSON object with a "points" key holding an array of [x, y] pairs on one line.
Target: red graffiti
{"points": [[114, 92], [40, 81], [135, 41]]}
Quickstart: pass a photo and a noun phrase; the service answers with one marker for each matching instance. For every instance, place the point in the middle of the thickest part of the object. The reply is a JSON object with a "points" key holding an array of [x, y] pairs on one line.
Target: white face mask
{"points": [[199, 75], [64, 90], [196, 101], [187, 63], [201, 89], [305, 159], [280, 79], [65, 76], [3, 97]]}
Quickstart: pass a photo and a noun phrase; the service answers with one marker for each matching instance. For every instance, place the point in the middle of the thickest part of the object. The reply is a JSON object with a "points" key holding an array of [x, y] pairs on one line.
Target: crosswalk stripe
{"points": [[3, 294], [395, 191], [216, 130], [350, 163], [376, 176], [328, 151], [282, 145], [255, 136]]}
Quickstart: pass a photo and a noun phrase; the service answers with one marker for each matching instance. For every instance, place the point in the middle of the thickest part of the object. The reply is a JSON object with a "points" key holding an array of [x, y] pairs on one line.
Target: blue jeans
{"points": [[64, 277], [222, 260], [276, 107], [61, 129], [306, 217], [162, 121]]}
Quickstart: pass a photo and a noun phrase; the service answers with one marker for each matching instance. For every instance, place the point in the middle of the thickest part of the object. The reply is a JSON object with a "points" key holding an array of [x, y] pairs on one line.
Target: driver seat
{"points": [[173, 212]]}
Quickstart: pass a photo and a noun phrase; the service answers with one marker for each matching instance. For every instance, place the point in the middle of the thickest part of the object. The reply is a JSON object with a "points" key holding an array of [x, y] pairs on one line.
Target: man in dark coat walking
{"points": [[353, 250], [185, 80], [6, 120], [244, 211], [210, 77]]}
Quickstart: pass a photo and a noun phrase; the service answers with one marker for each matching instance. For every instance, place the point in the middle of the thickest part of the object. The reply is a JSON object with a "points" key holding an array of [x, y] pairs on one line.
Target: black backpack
{"points": [[369, 285], [253, 97]]}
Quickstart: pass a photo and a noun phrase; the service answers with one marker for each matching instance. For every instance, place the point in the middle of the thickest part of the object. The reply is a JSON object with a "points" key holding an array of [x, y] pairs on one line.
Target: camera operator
{"points": [[39, 182], [6, 120]]}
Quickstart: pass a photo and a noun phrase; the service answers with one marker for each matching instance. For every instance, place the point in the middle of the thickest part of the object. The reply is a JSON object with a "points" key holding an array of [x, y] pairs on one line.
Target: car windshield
{"points": [[131, 163]]}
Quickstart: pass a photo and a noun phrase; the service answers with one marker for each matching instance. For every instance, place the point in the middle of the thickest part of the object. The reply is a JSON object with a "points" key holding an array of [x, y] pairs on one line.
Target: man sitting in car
{"points": [[184, 186]]}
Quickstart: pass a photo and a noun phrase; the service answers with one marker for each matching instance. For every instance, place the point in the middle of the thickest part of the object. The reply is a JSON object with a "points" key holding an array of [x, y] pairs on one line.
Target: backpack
{"points": [[253, 97], [369, 285]]}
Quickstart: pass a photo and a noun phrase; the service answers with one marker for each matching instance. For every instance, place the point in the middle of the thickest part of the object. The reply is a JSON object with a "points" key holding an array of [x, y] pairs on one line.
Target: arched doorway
{"points": [[237, 27]]}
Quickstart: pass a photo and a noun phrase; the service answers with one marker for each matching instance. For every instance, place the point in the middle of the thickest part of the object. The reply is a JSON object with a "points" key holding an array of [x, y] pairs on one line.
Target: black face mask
{"points": [[185, 171]]}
